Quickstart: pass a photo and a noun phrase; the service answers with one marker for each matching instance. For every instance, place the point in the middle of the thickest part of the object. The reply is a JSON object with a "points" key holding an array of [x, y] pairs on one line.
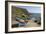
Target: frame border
{"points": [[6, 17]]}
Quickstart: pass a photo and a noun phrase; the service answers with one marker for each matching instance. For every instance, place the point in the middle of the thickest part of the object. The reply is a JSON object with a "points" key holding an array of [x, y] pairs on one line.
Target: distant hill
{"points": [[20, 12]]}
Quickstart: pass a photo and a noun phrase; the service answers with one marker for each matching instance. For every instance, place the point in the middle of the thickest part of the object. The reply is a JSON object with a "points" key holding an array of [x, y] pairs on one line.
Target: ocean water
{"points": [[35, 15]]}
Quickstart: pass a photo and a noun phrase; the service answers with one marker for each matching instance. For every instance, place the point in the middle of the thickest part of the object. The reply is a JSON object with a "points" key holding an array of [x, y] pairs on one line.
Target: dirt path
{"points": [[29, 24], [32, 24]]}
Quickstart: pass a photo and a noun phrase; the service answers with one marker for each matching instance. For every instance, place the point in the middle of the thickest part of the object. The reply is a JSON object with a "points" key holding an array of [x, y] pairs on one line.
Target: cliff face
{"points": [[19, 12]]}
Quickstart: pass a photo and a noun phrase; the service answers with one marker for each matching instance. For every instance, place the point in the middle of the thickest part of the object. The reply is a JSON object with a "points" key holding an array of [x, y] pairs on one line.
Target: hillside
{"points": [[20, 12]]}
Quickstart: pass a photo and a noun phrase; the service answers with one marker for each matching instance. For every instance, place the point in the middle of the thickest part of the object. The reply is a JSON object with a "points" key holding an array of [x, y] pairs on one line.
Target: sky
{"points": [[31, 9]]}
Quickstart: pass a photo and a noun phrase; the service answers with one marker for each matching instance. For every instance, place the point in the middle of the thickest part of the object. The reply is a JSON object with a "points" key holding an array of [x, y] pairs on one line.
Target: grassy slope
{"points": [[20, 12]]}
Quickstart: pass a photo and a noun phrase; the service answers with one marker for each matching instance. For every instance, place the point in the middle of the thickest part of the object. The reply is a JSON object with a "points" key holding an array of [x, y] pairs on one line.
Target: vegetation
{"points": [[20, 12]]}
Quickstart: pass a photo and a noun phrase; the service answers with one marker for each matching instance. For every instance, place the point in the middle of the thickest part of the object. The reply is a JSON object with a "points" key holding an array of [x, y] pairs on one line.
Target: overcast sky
{"points": [[31, 9]]}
